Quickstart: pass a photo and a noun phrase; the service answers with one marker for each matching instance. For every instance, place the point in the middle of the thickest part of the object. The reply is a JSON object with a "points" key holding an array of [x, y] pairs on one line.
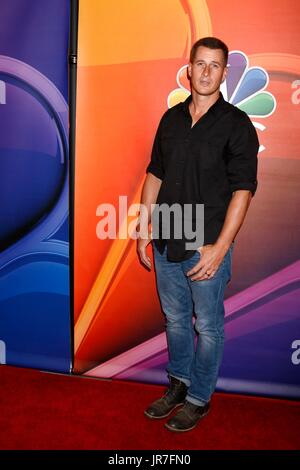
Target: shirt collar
{"points": [[213, 109]]}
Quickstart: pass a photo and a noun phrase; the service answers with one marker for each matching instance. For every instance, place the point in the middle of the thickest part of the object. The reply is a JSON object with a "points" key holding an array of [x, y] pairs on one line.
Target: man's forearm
{"points": [[150, 192], [235, 216]]}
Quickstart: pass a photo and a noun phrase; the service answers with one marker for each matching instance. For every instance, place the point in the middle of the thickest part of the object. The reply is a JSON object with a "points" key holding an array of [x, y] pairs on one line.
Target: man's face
{"points": [[207, 71]]}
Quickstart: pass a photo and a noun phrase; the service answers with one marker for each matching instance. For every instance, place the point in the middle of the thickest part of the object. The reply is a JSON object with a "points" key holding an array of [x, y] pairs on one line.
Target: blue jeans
{"points": [[197, 365]]}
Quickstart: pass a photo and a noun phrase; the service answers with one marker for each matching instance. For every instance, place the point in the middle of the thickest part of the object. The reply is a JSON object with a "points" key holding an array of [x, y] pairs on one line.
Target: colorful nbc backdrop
{"points": [[132, 58]]}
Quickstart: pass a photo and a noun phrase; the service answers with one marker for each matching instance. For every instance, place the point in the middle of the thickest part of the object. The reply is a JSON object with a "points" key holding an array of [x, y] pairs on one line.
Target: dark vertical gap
{"points": [[72, 59]]}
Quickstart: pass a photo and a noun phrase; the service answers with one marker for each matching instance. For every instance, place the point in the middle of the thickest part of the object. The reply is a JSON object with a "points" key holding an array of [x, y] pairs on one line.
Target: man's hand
{"points": [[212, 255], [150, 192], [211, 258], [141, 249]]}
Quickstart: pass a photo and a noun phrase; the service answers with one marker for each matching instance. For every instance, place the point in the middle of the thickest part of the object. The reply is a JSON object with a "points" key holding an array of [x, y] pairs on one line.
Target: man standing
{"points": [[204, 152]]}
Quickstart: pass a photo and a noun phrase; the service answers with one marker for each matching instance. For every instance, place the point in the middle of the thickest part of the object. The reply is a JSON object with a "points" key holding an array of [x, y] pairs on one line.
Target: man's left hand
{"points": [[211, 258]]}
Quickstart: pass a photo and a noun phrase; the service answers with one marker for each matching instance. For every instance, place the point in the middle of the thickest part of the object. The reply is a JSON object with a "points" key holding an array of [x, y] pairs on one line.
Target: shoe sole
{"points": [[164, 416], [185, 430]]}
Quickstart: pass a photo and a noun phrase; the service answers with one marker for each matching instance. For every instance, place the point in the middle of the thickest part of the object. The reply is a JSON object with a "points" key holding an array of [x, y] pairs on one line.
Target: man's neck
{"points": [[200, 104]]}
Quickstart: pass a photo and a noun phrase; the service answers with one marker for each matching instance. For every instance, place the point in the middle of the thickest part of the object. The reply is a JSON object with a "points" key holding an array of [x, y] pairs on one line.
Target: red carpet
{"points": [[50, 411]]}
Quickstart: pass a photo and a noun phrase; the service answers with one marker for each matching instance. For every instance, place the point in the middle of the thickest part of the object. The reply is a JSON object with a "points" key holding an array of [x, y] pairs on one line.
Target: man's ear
{"points": [[189, 71], [224, 74]]}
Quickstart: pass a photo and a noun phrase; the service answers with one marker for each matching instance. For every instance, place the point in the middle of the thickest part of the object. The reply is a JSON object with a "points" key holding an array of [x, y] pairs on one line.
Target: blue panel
{"points": [[34, 185]]}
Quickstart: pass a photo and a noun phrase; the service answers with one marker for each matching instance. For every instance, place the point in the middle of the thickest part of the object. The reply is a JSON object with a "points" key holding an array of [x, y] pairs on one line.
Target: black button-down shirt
{"points": [[203, 164]]}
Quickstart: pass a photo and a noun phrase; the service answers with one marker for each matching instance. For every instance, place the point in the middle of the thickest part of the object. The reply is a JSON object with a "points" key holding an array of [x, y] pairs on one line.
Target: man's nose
{"points": [[206, 70]]}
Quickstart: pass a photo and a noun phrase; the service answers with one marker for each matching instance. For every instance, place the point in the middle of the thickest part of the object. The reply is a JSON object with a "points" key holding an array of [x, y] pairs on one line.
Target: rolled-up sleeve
{"points": [[242, 150], [156, 166]]}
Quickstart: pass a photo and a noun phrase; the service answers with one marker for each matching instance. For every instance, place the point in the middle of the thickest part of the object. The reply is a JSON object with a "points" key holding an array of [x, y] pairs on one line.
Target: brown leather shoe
{"points": [[187, 418], [174, 396]]}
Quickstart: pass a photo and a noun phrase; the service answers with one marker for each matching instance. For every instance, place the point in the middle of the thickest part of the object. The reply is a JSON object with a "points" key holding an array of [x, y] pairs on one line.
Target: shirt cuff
{"points": [[246, 185], [155, 171]]}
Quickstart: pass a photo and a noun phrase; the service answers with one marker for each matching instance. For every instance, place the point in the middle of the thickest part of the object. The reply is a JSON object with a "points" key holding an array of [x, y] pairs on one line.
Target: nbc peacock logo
{"points": [[244, 87]]}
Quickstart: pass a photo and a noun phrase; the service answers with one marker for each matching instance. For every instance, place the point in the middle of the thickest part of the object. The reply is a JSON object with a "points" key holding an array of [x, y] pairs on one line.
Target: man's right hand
{"points": [[150, 192], [141, 249]]}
